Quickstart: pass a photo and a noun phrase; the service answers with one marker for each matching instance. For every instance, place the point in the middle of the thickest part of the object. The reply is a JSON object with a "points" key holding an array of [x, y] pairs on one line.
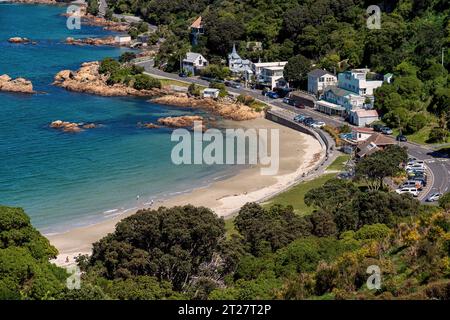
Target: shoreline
{"points": [[299, 153]]}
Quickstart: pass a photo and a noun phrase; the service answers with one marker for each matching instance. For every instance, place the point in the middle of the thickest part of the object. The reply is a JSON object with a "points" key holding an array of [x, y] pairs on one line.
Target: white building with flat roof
{"points": [[356, 81]]}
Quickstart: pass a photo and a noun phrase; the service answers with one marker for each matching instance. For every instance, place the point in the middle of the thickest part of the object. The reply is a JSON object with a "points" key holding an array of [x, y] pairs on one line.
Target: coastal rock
{"points": [[148, 125], [19, 85], [88, 79], [108, 41], [91, 20], [71, 126], [181, 122], [226, 109], [18, 40]]}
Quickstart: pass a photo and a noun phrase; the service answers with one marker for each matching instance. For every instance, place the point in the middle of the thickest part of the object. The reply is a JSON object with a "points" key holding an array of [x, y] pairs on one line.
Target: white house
{"points": [[362, 117], [362, 134], [259, 66], [211, 93], [356, 81], [347, 99], [193, 62], [269, 73], [122, 39], [238, 65], [319, 79]]}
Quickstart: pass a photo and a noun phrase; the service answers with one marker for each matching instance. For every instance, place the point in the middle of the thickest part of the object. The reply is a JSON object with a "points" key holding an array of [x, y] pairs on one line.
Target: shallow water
{"points": [[67, 180]]}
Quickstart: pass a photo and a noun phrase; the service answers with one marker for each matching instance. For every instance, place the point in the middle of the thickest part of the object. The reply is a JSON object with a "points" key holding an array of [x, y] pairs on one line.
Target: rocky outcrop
{"points": [[108, 41], [88, 79], [72, 126], [19, 85], [148, 125], [226, 109], [106, 24], [181, 122]]}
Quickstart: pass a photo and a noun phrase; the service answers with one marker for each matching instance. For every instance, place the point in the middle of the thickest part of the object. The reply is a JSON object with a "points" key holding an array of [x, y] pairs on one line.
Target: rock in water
{"points": [[20, 85]]}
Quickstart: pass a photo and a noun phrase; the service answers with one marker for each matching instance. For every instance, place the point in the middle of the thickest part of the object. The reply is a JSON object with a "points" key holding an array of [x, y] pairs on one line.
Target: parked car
{"points": [[434, 197], [299, 118], [318, 124], [386, 130], [272, 95], [298, 105], [402, 138], [182, 75], [410, 190], [233, 84], [287, 100], [412, 184], [377, 127], [415, 166], [308, 121]]}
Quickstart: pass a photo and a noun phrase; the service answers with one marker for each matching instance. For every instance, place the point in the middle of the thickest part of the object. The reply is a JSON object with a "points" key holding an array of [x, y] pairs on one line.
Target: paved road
{"points": [[439, 167]]}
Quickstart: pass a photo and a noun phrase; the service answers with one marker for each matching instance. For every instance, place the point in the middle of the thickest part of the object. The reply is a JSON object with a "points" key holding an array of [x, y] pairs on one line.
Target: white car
{"points": [[434, 197], [318, 124], [410, 190], [415, 166]]}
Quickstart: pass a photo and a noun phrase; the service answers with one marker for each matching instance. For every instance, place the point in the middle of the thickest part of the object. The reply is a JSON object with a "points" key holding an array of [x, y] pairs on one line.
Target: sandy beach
{"points": [[298, 154]]}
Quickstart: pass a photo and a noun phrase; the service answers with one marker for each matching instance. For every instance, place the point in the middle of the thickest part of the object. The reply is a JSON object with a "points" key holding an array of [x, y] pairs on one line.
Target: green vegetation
{"points": [[296, 195], [25, 270], [128, 74], [330, 34], [339, 163]]}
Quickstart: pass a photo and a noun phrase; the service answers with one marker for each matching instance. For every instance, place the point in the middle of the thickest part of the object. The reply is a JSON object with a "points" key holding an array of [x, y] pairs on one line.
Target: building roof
{"points": [[197, 24], [317, 73], [364, 130], [378, 139], [330, 105], [211, 90], [191, 57], [234, 55], [367, 149], [363, 113], [270, 64], [339, 91]]}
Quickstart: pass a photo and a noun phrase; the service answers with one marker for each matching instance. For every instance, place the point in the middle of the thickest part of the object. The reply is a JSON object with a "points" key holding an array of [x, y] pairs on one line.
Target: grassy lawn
{"points": [[419, 137], [170, 82], [296, 195], [339, 163], [229, 227]]}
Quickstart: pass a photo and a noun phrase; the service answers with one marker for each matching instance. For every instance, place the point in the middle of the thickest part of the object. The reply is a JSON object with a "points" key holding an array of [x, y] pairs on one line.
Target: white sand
{"points": [[298, 154]]}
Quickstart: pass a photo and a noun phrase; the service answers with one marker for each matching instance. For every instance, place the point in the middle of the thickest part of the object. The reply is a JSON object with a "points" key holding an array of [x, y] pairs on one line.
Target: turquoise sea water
{"points": [[67, 180]]}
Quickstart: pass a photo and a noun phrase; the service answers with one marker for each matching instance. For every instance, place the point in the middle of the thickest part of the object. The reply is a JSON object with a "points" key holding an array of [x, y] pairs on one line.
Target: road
{"points": [[439, 167]]}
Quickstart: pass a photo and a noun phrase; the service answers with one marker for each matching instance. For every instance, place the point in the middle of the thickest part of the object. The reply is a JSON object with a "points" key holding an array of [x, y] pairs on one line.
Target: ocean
{"points": [[67, 180]]}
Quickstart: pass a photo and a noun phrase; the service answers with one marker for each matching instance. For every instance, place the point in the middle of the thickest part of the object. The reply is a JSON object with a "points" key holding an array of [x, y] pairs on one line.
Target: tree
{"points": [[266, 231], [25, 270], [145, 82], [169, 244], [296, 70], [127, 57], [323, 224], [444, 201], [381, 164], [438, 135]]}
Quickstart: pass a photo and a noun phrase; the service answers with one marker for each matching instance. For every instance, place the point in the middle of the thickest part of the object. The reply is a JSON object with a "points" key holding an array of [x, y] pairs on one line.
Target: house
{"points": [[319, 79], [122, 39], [193, 63], [238, 65], [254, 46], [257, 67], [361, 134], [268, 74], [211, 93], [345, 98], [362, 117], [356, 81], [374, 143], [196, 30]]}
